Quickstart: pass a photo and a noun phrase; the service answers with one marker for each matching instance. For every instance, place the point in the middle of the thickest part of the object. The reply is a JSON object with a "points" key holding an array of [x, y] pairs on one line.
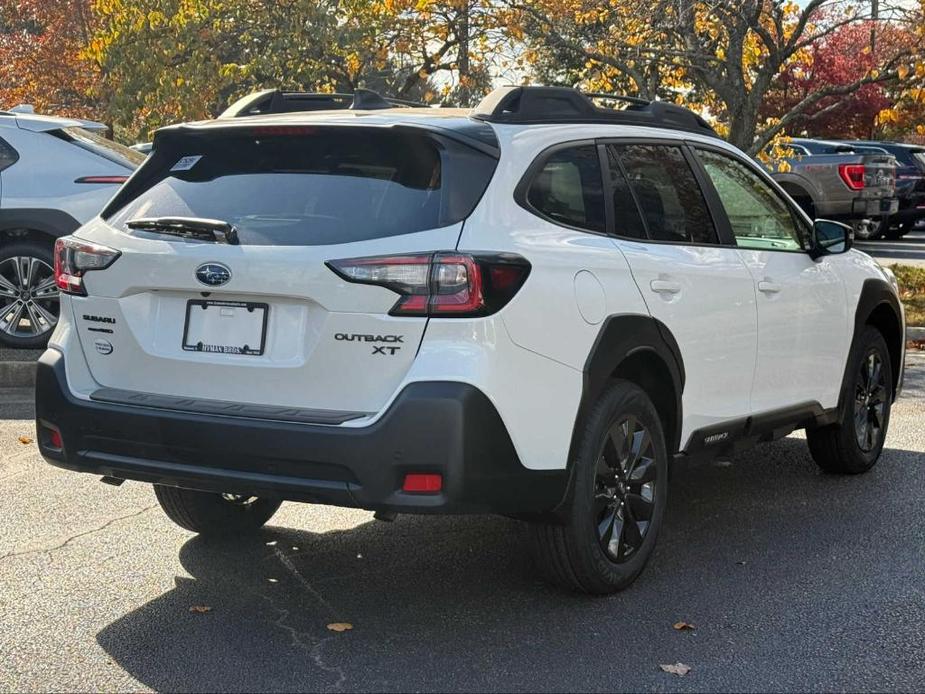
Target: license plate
{"points": [[225, 327]]}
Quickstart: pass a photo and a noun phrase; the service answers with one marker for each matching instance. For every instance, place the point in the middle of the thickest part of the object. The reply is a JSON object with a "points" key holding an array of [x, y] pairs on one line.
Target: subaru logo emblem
{"points": [[213, 274]]}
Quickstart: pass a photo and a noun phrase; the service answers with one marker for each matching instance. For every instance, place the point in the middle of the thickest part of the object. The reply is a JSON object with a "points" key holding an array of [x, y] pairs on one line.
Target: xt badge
{"points": [[385, 350]]}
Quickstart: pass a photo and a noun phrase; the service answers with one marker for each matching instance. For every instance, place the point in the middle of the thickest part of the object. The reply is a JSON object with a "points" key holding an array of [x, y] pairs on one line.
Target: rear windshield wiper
{"points": [[214, 230]]}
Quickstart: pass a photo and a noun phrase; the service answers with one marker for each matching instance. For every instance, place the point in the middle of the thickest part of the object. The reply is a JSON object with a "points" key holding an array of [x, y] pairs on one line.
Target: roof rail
{"points": [[534, 105], [278, 101]]}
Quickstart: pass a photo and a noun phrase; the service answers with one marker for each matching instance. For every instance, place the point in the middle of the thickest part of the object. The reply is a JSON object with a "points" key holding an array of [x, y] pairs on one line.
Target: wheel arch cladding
{"points": [[46, 222], [642, 350], [879, 307]]}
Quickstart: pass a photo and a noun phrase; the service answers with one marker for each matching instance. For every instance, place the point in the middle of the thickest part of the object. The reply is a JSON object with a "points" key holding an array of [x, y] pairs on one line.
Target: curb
{"points": [[17, 374], [915, 333]]}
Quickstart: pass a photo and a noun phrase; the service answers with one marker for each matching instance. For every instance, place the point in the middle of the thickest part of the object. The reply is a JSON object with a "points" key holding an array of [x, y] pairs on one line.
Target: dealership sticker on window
{"points": [[186, 163]]}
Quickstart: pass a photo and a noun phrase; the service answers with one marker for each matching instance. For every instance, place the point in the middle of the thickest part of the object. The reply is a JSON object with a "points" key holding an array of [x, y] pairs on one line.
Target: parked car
{"points": [[831, 180], [910, 183], [533, 309], [55, 174]]}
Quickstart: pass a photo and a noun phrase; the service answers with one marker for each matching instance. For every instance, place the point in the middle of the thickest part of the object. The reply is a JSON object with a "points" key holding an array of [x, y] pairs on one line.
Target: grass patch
{"points": [[912, 292]]}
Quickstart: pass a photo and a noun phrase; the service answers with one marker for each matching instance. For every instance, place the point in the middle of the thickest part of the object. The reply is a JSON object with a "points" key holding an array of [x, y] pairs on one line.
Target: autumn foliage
{"points": [[759, 69], [41, 56]]}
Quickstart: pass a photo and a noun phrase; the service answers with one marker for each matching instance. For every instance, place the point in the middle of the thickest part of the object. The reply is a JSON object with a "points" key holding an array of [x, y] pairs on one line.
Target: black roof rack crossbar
{"points": [[535, 105], [278, 101]]}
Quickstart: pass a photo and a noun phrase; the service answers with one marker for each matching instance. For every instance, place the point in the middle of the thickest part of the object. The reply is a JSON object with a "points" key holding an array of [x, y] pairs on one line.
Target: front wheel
{"points": [[618, 497], [213, 514], [853, 445]]}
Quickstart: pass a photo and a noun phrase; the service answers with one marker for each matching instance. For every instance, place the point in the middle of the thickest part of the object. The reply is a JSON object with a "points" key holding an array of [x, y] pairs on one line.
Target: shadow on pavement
{"points": [[785, 571]]}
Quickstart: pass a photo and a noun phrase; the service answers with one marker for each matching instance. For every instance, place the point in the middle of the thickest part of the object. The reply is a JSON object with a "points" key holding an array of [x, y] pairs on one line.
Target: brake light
{"points": [[74, 257], [852, 175], [102, 179], [444, 284]]}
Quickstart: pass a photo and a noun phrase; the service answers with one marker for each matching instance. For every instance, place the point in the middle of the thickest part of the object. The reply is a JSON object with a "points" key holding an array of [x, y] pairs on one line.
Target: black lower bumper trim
{"points": [[436, 427]]}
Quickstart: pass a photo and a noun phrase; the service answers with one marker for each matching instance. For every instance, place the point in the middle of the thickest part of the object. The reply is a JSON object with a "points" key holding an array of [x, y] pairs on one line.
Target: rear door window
{"points": [[568, 189], [101, 146], [8, 155], [317, 186], [666, 192]]}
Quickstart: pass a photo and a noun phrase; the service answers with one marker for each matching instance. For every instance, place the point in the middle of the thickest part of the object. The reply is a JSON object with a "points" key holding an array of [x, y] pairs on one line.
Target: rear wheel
{"points": [[28, 294], [213, 514], [619, 491], [854, 444], [868, 229]]}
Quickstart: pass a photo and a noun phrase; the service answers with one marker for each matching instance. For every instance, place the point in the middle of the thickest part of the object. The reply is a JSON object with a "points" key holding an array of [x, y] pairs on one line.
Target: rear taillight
{"points": [[74, 257], [444, 284], [852, 175]]}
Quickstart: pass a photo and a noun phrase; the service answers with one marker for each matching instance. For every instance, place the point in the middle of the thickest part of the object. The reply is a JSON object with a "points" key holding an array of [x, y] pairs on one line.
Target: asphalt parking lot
{"points": [[794, 580], [909, 250]]}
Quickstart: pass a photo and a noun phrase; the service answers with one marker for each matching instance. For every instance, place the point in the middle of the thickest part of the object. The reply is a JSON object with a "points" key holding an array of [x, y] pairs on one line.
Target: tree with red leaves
{"points": [[41, 57], [844, 57]]}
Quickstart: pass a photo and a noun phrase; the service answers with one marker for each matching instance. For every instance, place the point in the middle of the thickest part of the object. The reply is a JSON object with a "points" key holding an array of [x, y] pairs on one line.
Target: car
{"points": [[55, 174], [535, 308], [835, 180], [910, 183]]}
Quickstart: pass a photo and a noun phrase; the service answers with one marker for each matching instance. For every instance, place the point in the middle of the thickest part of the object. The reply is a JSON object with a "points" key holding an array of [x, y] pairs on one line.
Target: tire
{"points": [[853, 445], [580, 554], [867, 229], [807, 205], [28, 304], [217, 515]]}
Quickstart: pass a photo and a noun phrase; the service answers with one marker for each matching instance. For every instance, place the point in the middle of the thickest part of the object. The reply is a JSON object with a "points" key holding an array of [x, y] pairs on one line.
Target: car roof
{"points": [[40, 123]]}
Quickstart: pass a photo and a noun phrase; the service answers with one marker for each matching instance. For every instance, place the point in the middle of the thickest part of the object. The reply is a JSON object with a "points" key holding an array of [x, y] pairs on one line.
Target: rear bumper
{"points": [[876, 207], [448, 428]]}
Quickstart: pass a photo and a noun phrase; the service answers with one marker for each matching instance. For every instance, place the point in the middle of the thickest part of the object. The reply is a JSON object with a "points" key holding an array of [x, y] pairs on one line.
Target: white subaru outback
{"points": [[535, 309]]}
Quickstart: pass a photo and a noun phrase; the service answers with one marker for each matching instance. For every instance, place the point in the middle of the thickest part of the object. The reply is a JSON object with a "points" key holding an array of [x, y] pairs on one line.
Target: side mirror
{"points": [[829, 238]]}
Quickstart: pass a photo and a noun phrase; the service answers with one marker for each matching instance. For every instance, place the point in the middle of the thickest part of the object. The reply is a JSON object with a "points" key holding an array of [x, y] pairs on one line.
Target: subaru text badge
{"points": [[213, 274]]}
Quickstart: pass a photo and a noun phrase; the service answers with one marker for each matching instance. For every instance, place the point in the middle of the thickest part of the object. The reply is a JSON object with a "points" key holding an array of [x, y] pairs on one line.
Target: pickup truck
{"points": [[831, 181], [910, 182]]}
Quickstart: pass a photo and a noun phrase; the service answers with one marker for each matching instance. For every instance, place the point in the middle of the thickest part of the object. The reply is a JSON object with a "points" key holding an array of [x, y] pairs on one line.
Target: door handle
{"points": [[768, 287], [665, 287]]}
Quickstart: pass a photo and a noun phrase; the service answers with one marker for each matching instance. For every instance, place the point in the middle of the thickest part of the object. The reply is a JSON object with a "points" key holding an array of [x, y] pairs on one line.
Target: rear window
{"points": [[99, 145], [8, 155], [316, 187]]}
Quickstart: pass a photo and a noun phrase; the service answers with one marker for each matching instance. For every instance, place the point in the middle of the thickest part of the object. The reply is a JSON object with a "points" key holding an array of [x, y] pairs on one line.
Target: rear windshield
{"points": [[315, 187], [96, 143]]}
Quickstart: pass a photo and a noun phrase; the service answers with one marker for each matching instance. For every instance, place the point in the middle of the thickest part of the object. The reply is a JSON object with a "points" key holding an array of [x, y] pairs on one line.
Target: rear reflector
{"points": [[444, 284], [102, 179], [852, 175], [50, 437], [422, 483]]}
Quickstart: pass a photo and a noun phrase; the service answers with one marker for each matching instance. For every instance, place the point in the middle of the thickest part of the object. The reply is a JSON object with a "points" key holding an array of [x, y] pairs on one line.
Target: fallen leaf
{"points": [[200, 609], [25, 440], [684, 626], [340, 626], [679, 669]]}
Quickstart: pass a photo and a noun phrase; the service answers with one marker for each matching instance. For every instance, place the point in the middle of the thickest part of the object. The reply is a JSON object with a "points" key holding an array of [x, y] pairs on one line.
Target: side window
{"points": [[627, 222], [669, 197], [8, 155], [759, 217], [568, 189]]}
